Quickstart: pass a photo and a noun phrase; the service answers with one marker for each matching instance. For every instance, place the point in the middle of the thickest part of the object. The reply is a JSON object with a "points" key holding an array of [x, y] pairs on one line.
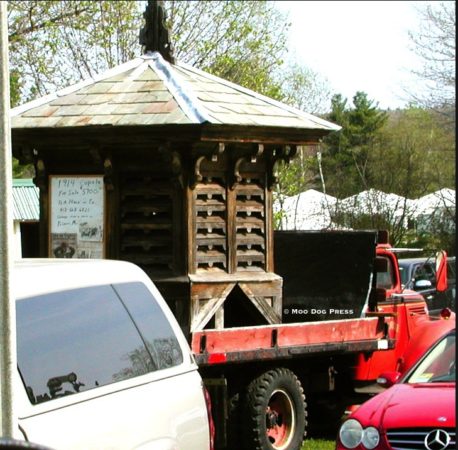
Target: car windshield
{"points": [[438, 365]]}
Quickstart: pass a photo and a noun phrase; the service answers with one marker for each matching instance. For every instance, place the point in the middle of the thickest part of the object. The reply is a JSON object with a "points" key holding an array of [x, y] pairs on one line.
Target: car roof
{"points": [[407, 261], [37, 276]]}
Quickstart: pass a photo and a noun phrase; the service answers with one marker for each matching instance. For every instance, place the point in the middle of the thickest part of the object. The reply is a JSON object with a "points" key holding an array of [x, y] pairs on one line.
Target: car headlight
{"points": [[351, 433], [371, 437]]}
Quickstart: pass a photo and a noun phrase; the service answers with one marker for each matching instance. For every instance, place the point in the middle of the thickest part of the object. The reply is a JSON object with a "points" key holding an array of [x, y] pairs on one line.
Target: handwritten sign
{"points": [[77, 217]]}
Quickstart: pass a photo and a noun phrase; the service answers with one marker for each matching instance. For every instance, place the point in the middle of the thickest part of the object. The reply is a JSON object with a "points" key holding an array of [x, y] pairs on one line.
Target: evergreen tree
{"points": [[347, 151]]}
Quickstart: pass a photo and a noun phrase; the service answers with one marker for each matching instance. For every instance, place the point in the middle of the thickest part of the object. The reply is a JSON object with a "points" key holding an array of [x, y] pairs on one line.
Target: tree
{"points": [[435, 44], [415, 157], [347, 151], [415, 154], [412, 156], [239, 41], [304, 88], [56, 43]]}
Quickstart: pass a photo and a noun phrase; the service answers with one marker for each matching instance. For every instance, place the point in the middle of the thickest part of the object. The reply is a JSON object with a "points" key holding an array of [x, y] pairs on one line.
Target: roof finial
{"points": [[154, 36]]}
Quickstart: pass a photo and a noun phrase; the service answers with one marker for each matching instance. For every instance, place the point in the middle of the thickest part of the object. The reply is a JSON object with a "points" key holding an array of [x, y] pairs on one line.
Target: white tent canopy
{"points": [[428, 204], [309, 210], [373, 201]]}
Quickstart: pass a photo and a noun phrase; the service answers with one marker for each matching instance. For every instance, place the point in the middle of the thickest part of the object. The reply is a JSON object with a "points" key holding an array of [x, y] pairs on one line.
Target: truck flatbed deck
{"points": [[288, 340]]}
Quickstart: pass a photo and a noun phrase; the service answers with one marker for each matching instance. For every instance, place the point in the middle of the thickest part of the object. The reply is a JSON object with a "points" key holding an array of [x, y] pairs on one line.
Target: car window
{"points": [[76, 340], [439, 365], [154, 327], [404, 273], [385, 279], [425, 271]]}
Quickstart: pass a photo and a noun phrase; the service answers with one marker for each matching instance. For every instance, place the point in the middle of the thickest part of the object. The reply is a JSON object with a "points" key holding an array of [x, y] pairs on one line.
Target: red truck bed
{"points": [[288, 340]]}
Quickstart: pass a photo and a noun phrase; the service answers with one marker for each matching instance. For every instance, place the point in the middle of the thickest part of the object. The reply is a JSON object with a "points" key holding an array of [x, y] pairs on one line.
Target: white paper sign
{"points": [[77, 217]]}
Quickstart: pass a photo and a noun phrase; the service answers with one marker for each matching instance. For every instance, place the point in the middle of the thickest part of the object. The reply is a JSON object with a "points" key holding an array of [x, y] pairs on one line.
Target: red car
{"points": [[418, 412]]}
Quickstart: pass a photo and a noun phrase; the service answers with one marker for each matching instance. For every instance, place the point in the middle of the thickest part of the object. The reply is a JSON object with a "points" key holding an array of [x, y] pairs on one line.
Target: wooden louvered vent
{"points": [[146, 223], [211, 226], [250, 227]]}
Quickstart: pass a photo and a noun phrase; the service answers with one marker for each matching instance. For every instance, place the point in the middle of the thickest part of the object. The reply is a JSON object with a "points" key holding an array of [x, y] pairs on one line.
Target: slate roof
{"points": [[25, 201], [150, 91]]}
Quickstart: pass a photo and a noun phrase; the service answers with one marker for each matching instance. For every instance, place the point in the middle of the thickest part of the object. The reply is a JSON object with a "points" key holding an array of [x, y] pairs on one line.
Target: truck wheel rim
{"points": [[280, 420]]}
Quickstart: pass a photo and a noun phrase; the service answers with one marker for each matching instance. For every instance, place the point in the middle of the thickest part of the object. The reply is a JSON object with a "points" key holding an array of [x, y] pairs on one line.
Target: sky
{"points": [[357, 45]]}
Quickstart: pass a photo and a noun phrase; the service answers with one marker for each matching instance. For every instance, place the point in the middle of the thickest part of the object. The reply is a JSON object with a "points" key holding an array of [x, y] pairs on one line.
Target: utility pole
{"points": [[8, 365]]}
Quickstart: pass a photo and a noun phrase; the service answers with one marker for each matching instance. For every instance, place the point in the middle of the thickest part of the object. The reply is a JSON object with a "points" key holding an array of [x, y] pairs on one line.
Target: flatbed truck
{"points": [[270, 384]]}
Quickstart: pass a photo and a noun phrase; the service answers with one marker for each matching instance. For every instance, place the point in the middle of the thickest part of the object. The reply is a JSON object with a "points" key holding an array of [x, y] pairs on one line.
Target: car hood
{"points": [[412, 405]]}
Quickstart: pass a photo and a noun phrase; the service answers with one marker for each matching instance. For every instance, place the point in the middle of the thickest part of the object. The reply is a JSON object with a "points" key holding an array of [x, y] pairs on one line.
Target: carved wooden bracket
{"points": [[173, 159], [284, 153], [94, 151], [251, 157], [40, 179], [197, 175], [212, 156], [26, 155], [108, 173]]}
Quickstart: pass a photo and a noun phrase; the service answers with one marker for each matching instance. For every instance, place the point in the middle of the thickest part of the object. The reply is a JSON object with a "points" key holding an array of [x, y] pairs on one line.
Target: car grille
{"points": [[414, 438], [417, 310]]}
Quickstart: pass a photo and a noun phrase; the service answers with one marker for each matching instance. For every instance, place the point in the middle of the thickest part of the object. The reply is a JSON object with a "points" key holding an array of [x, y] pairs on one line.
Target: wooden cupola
{"points": [[164, 165]]}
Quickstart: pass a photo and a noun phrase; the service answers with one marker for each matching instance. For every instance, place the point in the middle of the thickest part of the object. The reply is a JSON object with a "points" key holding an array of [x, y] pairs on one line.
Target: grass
{"points": [[318, 444]]}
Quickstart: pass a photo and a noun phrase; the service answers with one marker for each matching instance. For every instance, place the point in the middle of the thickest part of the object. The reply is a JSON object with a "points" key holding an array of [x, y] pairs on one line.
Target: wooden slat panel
{"points": [[146, 216], [248, 239], [250, 225], [250, 255], [211, 239], [210, 225], [146, 226], [250, 207], [141, 259]]}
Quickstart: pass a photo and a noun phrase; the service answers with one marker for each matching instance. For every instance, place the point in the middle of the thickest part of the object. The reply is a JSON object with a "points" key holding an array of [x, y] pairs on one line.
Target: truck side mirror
{"points": [[441, 271]]}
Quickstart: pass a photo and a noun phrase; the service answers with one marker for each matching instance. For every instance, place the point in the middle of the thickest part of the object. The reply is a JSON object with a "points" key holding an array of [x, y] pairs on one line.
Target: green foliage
{"points": [[415, 154], [20, 171], [241, 42], [295, 177], [303, 88], [15, 88], [56, 43], [347, 151], [432, 242]]}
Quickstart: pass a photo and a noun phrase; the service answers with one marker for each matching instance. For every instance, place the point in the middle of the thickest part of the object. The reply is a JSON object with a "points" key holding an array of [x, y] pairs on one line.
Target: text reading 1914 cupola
{"points": [[169, 167]]}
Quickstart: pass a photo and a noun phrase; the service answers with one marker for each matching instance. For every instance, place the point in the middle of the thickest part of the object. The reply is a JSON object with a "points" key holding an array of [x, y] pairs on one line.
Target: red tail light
{"points": [[211, 423]]}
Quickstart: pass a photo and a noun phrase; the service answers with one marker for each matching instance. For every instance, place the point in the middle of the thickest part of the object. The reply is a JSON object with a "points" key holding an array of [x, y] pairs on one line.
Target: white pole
{"points": [[8, 419]]}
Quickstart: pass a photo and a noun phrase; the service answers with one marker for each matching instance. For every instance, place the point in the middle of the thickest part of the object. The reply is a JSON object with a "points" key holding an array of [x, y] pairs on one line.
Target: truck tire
{"points": [[274, 413]]}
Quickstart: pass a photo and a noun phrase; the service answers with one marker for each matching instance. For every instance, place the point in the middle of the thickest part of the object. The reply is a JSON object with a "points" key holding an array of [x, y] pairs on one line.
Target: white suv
{"points": [[102, 360]]}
